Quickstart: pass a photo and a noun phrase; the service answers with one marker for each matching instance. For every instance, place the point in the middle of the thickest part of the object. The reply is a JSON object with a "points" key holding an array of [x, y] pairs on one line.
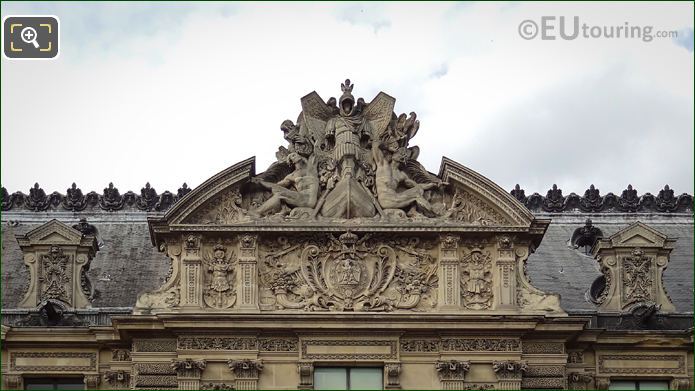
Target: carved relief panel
{"points": [[323, 272], [58, 259], [633, 261], [346, 272], [476, 280]]}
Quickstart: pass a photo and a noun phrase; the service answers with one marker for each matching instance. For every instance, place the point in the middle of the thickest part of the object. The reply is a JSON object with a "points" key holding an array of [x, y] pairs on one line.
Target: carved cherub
{"points": [[304, 180]]}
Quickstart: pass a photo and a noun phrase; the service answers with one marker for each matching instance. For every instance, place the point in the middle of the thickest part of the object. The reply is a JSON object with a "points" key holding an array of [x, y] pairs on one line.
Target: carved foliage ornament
{"points": [[349, 273], [592, 201], [246, 369], [509, 369], [452, 369], [55, 275], [111, 199], [188, 367], [638, 286]]}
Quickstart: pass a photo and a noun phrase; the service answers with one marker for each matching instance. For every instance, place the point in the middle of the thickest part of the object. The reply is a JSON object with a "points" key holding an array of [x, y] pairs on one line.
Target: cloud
{"points": [[685, 39], [364, 14], [176, 93]]}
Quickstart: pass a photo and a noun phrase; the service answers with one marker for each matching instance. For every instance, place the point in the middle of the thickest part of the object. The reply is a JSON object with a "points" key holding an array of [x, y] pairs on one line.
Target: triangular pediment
{"points": [[637, 235], [468, 198], [53, 232]]}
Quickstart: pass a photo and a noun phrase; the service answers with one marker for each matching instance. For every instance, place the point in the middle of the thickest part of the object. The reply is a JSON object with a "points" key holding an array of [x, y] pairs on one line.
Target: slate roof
{"points": [[127, 263]]}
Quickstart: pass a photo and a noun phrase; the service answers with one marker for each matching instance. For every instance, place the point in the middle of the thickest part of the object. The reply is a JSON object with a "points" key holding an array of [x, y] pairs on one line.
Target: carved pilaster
{"points": [[306, 375], [509, 373], [117, 379], [188, 372], [191, 283], [392, 374], [13, 382], [246, 372], [248, 260], [91, 382], [452, 373], [449, 288], [506, 262]]}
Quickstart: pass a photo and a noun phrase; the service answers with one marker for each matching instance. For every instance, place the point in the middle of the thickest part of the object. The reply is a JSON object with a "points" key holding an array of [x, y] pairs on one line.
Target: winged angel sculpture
{"points": [[349, 159]]}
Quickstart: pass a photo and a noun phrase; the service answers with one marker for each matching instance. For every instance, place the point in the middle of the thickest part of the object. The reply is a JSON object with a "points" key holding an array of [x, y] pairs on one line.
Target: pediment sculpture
{"points": [[349, 159], [347, 220]]}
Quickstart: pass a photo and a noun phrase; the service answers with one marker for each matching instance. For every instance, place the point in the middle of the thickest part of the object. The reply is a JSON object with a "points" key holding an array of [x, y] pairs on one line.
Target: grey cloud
{"points": [[602, 131], [685, 39], [441, 71]]}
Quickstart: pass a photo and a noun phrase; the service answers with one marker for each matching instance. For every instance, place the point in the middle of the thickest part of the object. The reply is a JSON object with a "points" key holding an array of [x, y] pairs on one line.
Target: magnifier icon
{"points": [[29, 36]]}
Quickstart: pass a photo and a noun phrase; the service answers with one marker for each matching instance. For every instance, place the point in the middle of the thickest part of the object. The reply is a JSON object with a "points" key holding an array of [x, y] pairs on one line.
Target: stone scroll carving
{"points": [[512, 262], [349, 273]]}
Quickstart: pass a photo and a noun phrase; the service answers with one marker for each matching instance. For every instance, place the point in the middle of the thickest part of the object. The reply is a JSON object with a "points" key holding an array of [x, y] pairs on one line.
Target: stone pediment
{"points": [[635, 235], [53, 232], [348, 220], [470, 200], [347, 162]]}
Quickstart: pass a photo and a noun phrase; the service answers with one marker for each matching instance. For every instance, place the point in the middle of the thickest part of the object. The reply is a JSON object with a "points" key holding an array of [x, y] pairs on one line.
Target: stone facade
{"points": [[346, 252]]}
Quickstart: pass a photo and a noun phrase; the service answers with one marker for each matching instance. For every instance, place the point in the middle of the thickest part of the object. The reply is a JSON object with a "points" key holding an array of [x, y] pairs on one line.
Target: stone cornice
{"points": [[149, 201]]}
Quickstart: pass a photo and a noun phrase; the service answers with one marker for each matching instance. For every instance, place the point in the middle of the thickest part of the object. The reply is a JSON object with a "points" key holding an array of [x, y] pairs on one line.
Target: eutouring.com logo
{"points": [[550, 28]]}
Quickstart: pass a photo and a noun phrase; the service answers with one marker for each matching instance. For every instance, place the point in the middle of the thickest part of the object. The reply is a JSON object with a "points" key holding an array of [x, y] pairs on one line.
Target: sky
{"points": [[168, 93]]}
